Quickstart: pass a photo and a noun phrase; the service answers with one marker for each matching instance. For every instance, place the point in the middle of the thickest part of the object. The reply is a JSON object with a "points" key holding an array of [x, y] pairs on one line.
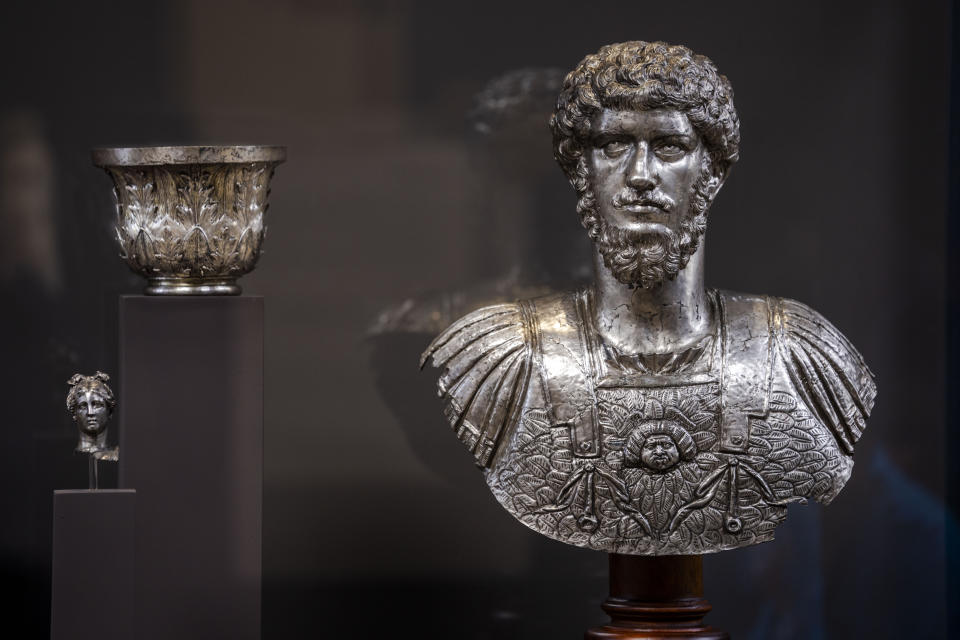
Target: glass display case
{"points": [[419, 185]]}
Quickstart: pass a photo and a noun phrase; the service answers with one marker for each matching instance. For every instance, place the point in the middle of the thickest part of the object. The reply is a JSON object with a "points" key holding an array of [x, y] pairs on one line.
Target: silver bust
{"points": [[647, 414], [91, 403]]}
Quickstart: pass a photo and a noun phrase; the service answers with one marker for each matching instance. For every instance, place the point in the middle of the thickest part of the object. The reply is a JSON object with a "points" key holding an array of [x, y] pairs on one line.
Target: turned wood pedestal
{"points": [[655, 597]]}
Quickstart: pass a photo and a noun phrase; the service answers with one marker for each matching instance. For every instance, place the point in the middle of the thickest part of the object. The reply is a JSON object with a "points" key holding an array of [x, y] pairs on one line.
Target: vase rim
{"points": [[224, 154]]}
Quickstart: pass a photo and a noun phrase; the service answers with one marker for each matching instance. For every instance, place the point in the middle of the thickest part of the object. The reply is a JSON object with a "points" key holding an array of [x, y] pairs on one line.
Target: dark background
{"points": [[372, 510]]}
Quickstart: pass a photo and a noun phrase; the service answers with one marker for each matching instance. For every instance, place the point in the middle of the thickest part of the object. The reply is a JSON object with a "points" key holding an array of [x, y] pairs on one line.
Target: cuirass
{"points": [[690, 498], [684, 453]]}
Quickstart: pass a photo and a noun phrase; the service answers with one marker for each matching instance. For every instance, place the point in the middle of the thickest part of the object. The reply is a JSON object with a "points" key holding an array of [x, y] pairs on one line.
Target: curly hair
{"points": [[80, 384], [641, 76]]}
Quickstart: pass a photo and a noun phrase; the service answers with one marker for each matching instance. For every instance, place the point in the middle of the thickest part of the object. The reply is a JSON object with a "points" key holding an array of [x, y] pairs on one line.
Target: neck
{"points": [[668, 317], [88, 443]]}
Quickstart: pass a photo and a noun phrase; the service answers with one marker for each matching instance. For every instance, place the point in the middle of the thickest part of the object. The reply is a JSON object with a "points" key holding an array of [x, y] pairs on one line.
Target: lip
{"points": [[643, 208]]}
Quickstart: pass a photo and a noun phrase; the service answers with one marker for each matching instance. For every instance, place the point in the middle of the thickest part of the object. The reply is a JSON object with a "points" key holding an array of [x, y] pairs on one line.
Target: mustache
{"points": [[627, 197]]}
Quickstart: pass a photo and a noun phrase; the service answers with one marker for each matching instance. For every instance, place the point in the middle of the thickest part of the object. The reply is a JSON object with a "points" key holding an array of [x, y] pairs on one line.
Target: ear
{"points": [[716, 175], [714, 183]]}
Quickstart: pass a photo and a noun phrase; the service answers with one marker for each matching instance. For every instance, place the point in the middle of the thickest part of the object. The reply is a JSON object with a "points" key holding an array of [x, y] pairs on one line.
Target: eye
{"points": [[671, 152], [671, 149], [614, 148]]}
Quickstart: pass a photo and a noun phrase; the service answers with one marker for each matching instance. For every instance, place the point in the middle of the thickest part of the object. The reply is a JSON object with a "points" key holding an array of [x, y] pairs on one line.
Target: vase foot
{"points": [[192, 287]]}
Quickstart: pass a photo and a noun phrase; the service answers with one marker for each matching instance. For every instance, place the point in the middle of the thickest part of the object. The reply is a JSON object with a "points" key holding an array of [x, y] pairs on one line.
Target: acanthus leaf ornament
{"points": [[191, 219]]}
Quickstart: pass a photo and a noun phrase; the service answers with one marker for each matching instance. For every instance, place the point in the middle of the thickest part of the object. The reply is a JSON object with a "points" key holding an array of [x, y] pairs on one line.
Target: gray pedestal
{"points": [[191, 444], [93, 565]]}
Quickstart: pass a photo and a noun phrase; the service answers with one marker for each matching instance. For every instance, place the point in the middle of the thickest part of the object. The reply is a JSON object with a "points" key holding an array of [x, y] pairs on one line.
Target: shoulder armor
{"points": [[563, 344], [745, 368], [826, 370], [486, 364]]}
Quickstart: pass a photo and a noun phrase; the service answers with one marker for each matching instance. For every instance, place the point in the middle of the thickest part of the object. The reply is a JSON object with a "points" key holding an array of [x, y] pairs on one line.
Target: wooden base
{"points": [[655, 597]]}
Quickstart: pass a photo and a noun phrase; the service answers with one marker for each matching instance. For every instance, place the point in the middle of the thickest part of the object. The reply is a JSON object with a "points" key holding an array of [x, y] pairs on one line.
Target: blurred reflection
{"points": [[30, 282], [510, 151], [28, 247], [747, 590], [527, 249]]}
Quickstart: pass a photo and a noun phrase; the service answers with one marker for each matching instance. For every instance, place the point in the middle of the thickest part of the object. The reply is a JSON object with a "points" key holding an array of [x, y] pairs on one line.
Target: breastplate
{"points": [[641, 461], [566, 346]]}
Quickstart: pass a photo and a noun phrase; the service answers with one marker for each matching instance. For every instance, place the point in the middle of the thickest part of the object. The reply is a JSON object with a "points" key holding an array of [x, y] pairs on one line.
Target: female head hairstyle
{"points": [[97, 383]]}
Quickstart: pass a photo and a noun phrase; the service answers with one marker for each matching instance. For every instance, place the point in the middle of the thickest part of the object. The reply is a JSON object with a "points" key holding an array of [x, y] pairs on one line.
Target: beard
{"points": [[645, 258]]}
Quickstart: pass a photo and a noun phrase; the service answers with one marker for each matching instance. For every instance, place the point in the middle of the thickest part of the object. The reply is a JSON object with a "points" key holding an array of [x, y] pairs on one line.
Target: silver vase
{"points": [[191, 219]]}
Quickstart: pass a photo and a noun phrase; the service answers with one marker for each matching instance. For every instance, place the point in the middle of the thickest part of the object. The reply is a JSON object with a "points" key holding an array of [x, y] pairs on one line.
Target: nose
{"points": [[641, 174]]}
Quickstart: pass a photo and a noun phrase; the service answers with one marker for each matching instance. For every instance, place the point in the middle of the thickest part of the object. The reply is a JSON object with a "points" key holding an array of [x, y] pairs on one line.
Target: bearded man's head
{"points": [[679, 88]]}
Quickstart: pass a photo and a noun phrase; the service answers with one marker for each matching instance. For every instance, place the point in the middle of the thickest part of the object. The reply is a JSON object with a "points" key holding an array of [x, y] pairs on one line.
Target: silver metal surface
{"points": [[191, 219], [647, 414], [91, 403]]}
